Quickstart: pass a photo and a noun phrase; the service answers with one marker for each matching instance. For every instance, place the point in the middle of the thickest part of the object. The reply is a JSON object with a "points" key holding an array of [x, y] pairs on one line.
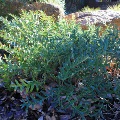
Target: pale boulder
{"points": [[98, 18]]}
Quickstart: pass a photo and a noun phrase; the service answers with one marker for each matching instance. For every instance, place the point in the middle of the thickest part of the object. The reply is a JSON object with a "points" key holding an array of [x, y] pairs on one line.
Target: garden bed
{"points": [[55, 70]]}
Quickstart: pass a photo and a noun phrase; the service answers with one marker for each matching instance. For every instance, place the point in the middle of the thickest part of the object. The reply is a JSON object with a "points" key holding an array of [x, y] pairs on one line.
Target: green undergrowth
{"points": [[88, 9], [115, 8], [59, 62]]}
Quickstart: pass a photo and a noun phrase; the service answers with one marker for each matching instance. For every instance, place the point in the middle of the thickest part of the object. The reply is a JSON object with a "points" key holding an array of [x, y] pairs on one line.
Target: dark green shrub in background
{"points": [[43, 52]]}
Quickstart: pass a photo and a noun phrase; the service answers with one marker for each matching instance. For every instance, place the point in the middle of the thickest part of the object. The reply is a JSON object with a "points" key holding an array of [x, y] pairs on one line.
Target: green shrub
{"points": [[43, 52]]}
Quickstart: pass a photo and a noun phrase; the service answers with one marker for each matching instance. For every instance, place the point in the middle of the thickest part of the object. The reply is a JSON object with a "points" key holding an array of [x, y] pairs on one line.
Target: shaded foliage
{"points": [[61, 63]]}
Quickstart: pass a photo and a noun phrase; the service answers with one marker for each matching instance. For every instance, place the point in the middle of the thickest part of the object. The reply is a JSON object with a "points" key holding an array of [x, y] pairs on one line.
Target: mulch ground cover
{"points": [[10, 109]]}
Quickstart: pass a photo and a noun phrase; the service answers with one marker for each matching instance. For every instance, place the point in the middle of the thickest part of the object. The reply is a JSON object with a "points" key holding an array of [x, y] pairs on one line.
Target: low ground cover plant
{"points": [[88, 9], [60, 63], [115, 7]]}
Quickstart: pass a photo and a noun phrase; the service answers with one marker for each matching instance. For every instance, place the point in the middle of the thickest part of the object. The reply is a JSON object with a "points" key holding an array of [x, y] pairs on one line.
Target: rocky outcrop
{"points": [[49, 9], [15, 7], [98, 18]]}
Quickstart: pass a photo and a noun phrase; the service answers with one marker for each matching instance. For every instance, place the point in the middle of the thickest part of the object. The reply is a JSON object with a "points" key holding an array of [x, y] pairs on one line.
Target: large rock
{"points": [[48, 8], [98, 18], [15, 7]]}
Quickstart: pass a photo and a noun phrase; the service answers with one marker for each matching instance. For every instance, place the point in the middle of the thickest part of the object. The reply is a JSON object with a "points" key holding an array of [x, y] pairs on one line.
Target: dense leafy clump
{"points": [[59, 62]]}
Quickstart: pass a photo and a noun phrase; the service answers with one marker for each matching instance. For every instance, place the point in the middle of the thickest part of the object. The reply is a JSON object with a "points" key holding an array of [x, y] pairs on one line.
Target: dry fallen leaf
{"points": [[35, 107], [41, 118], [64, 117], [48, 117]]}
